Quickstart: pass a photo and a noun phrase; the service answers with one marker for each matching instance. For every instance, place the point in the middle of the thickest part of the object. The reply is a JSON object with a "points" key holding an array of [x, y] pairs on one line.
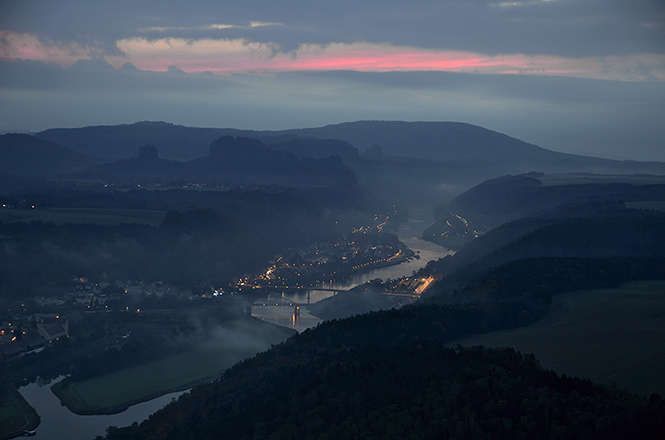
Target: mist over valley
{"points": [[319, 282]]}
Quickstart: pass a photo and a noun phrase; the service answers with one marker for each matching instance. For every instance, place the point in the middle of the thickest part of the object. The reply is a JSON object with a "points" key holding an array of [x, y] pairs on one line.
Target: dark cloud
{"points": [[94, 75], [605, 118], [563, 27], [601, 118]]}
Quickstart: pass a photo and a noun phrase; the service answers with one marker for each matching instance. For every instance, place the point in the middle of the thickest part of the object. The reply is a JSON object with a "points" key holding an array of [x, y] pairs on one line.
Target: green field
{"points": [[607, 335], [83, 215], [114, 392]]}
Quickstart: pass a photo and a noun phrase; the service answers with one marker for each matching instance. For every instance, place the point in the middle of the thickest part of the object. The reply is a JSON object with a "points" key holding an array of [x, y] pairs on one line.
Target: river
{"points": [[280, 305], [57, 422]]}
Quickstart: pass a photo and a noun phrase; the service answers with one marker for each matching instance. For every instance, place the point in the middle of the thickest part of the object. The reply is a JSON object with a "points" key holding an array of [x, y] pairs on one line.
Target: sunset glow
{"points": [[228, 56], [25, 46]]}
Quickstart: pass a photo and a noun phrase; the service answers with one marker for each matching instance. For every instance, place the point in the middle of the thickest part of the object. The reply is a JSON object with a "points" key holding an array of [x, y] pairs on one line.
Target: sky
{"points": [[578, 76]]}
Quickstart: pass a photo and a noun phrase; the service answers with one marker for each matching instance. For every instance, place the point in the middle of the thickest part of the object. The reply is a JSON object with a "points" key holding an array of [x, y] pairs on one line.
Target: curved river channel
{"points": [[58, 423], [284, 314]]}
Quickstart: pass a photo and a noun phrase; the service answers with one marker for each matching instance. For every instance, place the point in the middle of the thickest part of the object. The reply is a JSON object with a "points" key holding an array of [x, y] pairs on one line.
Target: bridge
{"points": [[299, 288], [281, 302], [276, 302]]}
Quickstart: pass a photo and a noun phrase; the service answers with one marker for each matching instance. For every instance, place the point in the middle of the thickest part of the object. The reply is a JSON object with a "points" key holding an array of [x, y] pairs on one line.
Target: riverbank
{"points": [[72, 400], [57, 421], [114, 392], [359, 300], [353, 296], [311, 273]]}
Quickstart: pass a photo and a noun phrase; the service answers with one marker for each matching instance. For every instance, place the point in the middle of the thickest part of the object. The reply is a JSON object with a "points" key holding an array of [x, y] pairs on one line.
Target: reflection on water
{"points": [[58, 423], [425, 250], [296, 317], [280, 306], [297, 296]]}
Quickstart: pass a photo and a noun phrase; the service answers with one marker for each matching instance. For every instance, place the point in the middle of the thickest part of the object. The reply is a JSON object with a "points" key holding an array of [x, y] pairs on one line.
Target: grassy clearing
{"points": [[83, 215], [114, 392], [607, 335]]}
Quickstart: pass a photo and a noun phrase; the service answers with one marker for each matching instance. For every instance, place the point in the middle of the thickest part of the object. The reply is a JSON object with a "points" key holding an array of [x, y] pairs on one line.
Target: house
{"points": [[52, 330], [12, 349], [74, 316], [18, 347], [32, 342], [52, 327]]}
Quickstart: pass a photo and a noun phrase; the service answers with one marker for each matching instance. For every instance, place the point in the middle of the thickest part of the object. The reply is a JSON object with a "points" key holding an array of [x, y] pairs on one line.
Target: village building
{"points": [[51, 326], [12, 349], [17, 347]]}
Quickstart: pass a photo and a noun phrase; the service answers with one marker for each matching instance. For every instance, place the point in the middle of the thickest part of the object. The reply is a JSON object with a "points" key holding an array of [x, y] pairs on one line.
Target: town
{"points": [[31, 324], [307, 267]]}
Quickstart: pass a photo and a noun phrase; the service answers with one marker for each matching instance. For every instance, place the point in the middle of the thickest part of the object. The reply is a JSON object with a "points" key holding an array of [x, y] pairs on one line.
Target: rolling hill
{"points": [[506, 198], [25, 155], [467, 143], [175, 142], [231, 161], [470, 146]]}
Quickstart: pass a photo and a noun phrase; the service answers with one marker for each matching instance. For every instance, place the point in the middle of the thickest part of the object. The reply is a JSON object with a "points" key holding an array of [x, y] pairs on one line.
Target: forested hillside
{"points": [[200, 209], [204, 235], [583, 233], [497, 201], [434, 393], [387, 375]]}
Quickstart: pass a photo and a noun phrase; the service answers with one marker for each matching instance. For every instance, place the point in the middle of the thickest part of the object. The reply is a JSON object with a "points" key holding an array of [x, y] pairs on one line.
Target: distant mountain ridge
{"points": [[471, 144], [465, 144], [249, 161], [422, 139], [175, 142], [411, 163], [143, 166], [231, 161], [26, 155]]}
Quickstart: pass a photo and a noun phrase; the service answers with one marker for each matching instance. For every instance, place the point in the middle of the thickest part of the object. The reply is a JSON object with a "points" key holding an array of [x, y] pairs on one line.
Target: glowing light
{"points": [[236, 56], [228, 56]]}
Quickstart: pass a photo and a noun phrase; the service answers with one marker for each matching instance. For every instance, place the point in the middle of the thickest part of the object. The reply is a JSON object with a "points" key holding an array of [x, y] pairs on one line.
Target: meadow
{"points": [[114, 392], [607, 335]]}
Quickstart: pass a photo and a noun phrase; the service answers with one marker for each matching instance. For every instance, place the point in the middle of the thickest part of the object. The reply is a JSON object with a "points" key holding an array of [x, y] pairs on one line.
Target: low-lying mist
{"points": [[236, 340]]}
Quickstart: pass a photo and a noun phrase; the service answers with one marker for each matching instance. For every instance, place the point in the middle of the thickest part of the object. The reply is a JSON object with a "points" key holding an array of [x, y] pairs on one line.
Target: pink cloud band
{"points": [[228, 56], [15, 46]]}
